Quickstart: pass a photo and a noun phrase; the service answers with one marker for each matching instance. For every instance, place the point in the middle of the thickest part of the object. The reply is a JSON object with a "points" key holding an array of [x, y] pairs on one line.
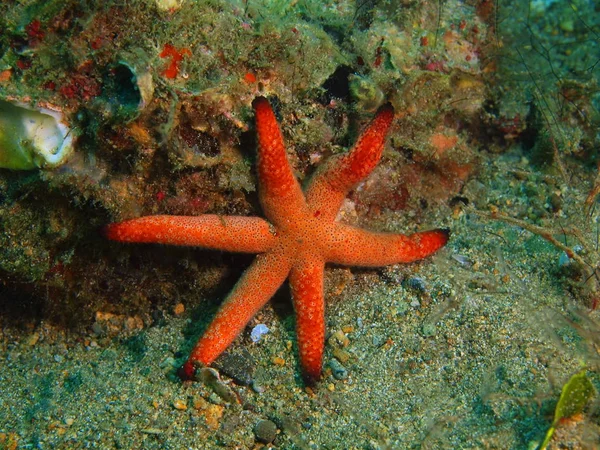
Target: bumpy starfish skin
{"points": [[300, 236]]}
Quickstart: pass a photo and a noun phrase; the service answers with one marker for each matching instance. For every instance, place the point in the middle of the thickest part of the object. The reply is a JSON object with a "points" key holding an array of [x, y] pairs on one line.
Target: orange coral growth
{"points": [[176, 55], [442, 143], [249, 77], [5, 75]]}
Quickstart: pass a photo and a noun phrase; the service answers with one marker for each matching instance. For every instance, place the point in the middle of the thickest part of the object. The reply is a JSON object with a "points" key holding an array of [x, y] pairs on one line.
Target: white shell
{"points": [[33, 138]]}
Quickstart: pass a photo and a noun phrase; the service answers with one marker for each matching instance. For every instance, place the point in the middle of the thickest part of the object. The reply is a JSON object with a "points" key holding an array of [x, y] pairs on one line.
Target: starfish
{"points": [[298, 238]]}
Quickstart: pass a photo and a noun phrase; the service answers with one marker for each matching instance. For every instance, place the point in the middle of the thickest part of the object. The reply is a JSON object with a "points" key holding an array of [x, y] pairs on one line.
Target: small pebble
{"points": [[415, 283], [97, 329], [258, 387], [290, 426], [341, 355], [265, 431], [339, 338], [154, 431], [180, 404], [378, 340], [462, 260], [240, 366], [338, 371], [279, 361], [168, 362], [33, 339], [428, 329]]}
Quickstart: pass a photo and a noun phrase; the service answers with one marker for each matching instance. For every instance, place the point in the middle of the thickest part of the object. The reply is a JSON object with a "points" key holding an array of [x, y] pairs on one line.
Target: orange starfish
{"points": [[300, 236]]}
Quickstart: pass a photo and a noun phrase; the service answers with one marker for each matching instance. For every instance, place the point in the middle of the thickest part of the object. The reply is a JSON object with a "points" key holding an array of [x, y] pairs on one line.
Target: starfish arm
{"points": [[257, 285], [279, 192], [330, 185], [356, 247], [306, 284], [229, 233]]}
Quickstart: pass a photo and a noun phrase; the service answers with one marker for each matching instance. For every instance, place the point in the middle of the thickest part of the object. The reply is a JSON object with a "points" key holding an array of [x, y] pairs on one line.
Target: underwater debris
{"points": [[258, 331], [32, 138]]}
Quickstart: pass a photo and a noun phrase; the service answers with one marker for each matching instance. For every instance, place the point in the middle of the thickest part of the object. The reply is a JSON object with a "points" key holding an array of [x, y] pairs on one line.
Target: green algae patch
{"points": [[578, 391]]}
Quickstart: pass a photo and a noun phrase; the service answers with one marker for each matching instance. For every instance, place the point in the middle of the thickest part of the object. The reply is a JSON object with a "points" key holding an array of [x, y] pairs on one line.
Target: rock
{"points": [[239, 366], [338, 371], [265, 431]]}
